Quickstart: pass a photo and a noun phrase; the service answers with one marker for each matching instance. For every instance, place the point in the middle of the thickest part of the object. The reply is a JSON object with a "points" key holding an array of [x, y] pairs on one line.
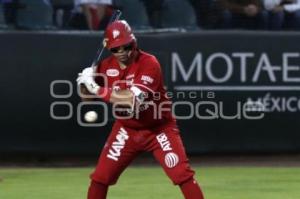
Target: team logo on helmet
{"points": [[171, 159], [115, 33]]}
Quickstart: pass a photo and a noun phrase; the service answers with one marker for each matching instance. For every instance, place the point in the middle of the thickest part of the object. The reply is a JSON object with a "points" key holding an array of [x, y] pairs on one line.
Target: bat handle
{"points": [[94, 66]]}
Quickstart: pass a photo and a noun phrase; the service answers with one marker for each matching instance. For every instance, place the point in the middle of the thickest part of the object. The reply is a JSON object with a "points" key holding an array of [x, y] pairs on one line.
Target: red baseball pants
{"points": [[124, 144]]}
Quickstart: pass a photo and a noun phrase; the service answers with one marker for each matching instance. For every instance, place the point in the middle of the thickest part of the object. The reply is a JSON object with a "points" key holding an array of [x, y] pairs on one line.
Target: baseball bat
{"points": [[114, 17]]}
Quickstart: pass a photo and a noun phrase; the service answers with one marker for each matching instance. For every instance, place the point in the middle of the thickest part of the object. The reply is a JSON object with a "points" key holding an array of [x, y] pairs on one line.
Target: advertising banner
{"points": [[232, 92]]}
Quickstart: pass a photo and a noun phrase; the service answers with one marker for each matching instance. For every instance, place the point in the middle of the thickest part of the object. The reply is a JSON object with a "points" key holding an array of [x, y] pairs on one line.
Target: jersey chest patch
{"points": [[112, 72]]}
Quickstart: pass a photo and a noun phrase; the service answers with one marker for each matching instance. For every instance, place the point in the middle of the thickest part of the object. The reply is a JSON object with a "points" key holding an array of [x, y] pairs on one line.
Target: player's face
{"points": [[123, 53]]}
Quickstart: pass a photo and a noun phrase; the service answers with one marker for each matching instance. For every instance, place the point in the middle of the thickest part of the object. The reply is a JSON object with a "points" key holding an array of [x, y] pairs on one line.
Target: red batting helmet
{"points": [[118, 33]]}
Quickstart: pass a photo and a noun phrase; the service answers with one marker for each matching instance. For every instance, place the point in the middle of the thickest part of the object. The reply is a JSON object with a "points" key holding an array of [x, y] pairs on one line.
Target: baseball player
{"points": [[132, 81]]}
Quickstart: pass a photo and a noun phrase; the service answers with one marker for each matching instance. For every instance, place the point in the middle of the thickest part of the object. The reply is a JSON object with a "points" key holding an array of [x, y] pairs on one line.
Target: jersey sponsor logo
{"points": [[112, 72], [164, 142], [115, 33], [147, 79], [115, 151], [171, 159]]}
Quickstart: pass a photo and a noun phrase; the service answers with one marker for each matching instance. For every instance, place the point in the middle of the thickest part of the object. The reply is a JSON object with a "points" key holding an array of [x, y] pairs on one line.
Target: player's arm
{"points": [[121, 97], [84, 92]]}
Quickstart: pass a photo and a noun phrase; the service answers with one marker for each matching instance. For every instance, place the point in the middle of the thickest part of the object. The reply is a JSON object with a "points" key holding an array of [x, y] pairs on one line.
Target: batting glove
{"points": [[86, 77]]}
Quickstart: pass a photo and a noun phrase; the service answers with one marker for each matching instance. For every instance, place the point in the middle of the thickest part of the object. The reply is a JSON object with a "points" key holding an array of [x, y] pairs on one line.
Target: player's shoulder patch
{"points": [[147, 79]]}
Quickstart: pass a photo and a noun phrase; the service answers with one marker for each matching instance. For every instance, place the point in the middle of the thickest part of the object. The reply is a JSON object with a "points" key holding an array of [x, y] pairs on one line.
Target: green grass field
{"points": [[151, 183]]}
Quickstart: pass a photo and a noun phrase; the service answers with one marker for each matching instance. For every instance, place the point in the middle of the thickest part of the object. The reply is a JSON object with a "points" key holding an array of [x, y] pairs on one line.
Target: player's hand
{"points": [[86, 77], [104, 42]]}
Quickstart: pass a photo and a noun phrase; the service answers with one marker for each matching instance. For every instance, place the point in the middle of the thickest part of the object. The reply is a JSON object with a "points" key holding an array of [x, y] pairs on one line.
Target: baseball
{"points": [[90, 116]]}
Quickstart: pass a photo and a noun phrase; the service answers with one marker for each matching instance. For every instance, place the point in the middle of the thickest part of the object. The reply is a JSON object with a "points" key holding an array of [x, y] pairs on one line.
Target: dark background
{"points": [[30, 61]]}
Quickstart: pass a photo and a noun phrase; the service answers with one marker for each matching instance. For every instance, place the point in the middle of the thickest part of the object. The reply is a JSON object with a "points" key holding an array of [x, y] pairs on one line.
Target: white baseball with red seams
{"points": [[90, 116]]}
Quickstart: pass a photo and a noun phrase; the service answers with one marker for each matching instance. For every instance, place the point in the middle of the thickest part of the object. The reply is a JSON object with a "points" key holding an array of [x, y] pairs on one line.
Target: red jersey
{"points": [[145, 74]]}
